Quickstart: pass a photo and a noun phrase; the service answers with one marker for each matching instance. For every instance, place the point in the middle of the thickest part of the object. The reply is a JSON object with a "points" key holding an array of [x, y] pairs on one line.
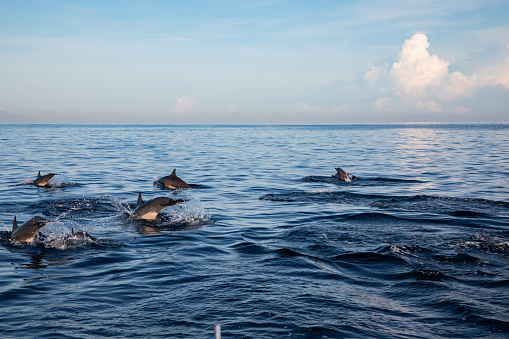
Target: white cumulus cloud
{"points": [[497, 74], [422, 81], [416, 69], [184, 104], [373, 74], [417, 74]]}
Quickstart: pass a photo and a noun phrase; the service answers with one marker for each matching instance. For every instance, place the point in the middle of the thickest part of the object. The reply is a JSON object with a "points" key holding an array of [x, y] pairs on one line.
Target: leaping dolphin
{"points": [[173, 182], [342, 175], [28, 230], [150, 210], [42, 181]]}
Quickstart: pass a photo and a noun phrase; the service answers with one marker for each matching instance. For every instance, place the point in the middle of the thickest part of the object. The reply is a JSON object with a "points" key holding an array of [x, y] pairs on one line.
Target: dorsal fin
{"points": [[174, 173], [72, 230], [140, 200], [14, 224], [341, 174], [39, 174]]}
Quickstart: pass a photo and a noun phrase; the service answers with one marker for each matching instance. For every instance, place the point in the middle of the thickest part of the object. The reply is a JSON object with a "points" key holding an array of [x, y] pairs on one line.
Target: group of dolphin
{"points": [[148, 210]]}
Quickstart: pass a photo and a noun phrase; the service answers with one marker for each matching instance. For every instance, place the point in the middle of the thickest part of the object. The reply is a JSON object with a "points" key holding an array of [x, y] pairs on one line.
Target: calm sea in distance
{"points": [[269, 244]]}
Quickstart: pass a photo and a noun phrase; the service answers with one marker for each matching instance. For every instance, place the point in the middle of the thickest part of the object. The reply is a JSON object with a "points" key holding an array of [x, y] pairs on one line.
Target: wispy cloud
{"points": [[184, 104], [303, 107], [429, 106], [384, 103], [341, 108], [174, 39]]}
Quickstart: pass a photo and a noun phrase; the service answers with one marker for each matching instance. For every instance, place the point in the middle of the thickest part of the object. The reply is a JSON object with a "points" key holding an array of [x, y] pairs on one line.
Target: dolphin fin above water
{"points": [[14, 224], [82, 234], [27, 231], [140, 200], [343, 176], [173, 182]]}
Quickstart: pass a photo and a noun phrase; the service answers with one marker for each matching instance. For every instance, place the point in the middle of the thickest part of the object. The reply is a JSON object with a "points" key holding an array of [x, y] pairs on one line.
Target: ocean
{"points": [[269, 244]]}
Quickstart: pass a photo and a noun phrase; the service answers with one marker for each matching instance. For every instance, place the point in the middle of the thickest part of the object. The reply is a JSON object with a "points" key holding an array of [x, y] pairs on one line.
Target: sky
{"points": [[258, 61]]}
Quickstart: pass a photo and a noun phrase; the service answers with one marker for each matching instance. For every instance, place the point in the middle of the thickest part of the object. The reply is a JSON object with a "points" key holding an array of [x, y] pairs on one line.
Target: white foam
{"points": [[190, 212]]}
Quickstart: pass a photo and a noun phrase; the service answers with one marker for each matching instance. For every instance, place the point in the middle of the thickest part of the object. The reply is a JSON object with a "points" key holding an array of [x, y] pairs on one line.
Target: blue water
{"points": [[269, 245]]}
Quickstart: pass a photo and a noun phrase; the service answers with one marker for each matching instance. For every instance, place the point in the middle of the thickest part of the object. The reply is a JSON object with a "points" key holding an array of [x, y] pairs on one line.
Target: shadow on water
{"points": [[360, 181], [96, 207], [166, 223], [457, 207], [385, 258]]}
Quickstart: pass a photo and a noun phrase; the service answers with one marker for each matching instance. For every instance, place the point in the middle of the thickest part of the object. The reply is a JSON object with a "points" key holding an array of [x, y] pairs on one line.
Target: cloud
{"points": [[374, 73], [302, 107], [429, 106], [417, 74], [497, 74], [415, 69], [421, 81], [460, 110], [457, 85], [384, 103], [342, 108], [184, 104]]}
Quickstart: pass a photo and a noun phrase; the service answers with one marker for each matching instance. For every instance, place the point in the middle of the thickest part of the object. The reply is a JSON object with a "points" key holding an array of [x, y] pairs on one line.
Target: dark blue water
{"points": [[269, 245]]}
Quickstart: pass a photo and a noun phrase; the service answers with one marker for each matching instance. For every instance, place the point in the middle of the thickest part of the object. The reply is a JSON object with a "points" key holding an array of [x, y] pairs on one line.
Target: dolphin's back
{"points": [[173, 182], [150, 209], [82, 234], [341, 174], [42, 181]]}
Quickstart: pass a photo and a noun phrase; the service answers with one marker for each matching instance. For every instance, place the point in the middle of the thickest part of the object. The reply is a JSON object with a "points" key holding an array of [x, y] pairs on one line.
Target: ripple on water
{"points": [[416, 248]]}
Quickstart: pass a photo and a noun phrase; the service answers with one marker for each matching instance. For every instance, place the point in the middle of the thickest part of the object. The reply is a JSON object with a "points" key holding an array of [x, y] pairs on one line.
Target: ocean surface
{"points": [[269, 244]]}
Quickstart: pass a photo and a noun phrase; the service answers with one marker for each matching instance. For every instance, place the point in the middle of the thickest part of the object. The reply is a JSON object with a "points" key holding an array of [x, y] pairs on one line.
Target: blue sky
{"points": [[255, 61]]}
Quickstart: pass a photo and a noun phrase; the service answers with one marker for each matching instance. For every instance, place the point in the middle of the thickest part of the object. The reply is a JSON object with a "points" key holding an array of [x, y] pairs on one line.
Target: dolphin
{"points": [[173, 182], [82, 234], [42, 181], [343, 176], [150, 210], [28, 230]]}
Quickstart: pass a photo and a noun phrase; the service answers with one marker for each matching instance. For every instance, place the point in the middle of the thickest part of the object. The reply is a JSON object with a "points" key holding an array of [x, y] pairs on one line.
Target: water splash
{"points": [[487, 242]]}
